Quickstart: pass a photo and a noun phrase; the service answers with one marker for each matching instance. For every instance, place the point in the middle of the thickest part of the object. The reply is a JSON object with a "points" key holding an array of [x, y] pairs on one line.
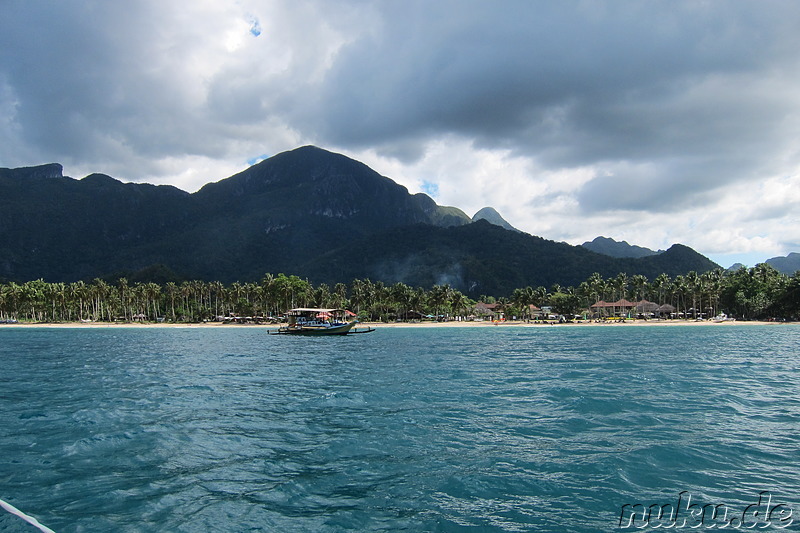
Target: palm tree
{"points": [[693, 288], [187, 291], [217, 293], [3, 302], [713, 282], [458, 303], [100, 291], [377, 299], [57, 294], [520, 301], [400, 294], [340, 295], [524, 298], [584, 295], [153, 295], [639, 283], [418, 299], [660, 284], [78, 294], [322, 295], [35, 292], [679, 290], [301, 291], [596, 286], [439, 297], [621, 285], [122, 289], [172, 291], [359, 289], [14, 296], [272, 294]]}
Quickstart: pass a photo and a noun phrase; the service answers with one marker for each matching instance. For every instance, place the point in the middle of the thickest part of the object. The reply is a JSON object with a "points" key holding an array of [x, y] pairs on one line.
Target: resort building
{"points": [[623, 307], [489, 311], [627, 309]]}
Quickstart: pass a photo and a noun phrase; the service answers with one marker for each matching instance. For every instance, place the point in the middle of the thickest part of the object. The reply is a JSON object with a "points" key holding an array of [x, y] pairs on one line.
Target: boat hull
{"points": [[314, 331]]}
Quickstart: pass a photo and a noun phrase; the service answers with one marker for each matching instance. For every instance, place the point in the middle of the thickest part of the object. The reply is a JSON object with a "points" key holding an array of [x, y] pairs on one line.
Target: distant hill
{"points": [[308, 212], [610, 247], [788, 264], [482, 258], [490, 215]]}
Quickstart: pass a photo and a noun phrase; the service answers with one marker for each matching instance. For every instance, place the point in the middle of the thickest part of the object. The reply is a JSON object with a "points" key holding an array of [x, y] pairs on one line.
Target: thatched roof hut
{"points": [[646, 307]]}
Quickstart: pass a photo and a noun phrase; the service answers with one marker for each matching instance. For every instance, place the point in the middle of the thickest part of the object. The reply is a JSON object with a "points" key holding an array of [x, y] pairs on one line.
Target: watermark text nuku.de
{"points": [[684, 513]]}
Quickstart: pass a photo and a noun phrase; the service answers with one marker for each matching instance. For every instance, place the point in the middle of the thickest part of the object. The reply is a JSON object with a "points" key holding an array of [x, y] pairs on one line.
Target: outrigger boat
{"points": [[313, 321]]}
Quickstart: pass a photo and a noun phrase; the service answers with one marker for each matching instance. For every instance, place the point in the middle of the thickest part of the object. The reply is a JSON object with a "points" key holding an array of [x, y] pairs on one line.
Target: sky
{"points": [[654, 122]]}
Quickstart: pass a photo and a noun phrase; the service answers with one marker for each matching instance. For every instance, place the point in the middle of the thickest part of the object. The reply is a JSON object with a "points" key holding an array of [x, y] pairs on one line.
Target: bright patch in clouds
{"points": [[430, 188], [652, 122], [255, 160], [255, 27]]}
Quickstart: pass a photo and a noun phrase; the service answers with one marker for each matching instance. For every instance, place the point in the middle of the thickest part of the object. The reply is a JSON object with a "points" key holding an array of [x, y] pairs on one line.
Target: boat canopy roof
{"points": [[306, 310]]}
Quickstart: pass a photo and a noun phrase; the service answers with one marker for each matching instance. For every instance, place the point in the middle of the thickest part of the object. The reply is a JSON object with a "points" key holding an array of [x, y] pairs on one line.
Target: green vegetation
{"points": [[318, 215], [756, 293]]}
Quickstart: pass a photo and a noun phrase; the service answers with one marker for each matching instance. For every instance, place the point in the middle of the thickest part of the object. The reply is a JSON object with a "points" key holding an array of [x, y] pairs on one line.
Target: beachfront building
{"points": [[627, 309], [665, 311], [412, 316], [646, 309], [484, 311], [534, 312], [620, 308]]}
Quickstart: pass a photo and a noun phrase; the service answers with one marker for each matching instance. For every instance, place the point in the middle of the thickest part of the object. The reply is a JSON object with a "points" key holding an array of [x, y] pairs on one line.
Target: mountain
{"points": [[313, 183], [610, 247], [308, 212], [269, 217], [788, 264], [62, 229], [482, 258], [490, 215]]}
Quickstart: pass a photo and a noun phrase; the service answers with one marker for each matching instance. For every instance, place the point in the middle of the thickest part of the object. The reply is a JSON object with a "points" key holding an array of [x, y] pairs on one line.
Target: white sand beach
{"points": [[448, 324]]}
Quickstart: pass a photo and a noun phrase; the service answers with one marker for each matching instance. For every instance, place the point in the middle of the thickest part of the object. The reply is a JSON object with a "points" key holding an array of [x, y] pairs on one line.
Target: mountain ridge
{"points": [[788, 264], [610, 247], [307, 211]]}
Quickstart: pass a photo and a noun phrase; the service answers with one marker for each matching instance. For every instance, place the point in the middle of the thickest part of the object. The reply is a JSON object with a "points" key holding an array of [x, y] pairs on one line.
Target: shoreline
{"points": [[451, 324]]}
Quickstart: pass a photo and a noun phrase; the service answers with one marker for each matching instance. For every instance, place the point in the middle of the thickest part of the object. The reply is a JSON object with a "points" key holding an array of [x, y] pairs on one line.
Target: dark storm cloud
{"points": [[97, 80], [665, 101], [68, 76], [688, 87]]}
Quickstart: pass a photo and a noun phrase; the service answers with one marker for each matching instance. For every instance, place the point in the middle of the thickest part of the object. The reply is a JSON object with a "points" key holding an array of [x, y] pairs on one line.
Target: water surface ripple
{"points": [[462, 429]]}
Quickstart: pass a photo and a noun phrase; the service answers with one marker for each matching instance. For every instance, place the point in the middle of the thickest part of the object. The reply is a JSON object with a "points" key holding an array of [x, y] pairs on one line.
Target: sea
{"points": [[563, 429]]}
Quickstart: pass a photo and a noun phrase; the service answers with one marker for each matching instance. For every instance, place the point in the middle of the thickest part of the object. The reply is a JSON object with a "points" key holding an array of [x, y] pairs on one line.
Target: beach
{"points": [[425, 324]]}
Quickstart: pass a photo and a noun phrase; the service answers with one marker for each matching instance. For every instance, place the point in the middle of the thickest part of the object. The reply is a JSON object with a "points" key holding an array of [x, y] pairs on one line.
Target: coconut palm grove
{"points": [[760, 292]]}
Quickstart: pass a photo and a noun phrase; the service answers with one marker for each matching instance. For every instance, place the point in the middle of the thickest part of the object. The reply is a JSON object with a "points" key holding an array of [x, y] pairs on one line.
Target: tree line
{"points": [[749, 293]]}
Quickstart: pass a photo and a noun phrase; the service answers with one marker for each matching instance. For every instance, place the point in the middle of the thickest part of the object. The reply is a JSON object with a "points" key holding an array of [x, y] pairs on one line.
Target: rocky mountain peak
{"points": [[490, 215], [47, 171]]}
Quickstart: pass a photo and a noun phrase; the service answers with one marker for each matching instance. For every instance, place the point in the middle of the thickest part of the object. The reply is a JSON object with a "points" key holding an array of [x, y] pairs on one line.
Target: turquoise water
{"points": [[463, 429]]}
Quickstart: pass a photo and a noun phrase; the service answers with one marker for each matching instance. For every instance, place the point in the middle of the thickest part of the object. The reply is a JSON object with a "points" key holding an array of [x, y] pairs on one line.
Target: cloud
{"points": [[570, 118]]}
